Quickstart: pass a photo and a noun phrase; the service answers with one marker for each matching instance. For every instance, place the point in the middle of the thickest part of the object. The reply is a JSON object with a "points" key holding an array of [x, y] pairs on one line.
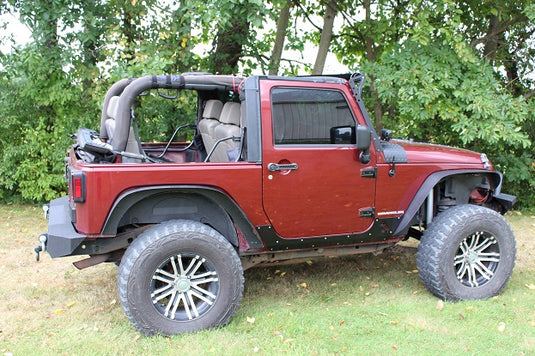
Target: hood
{"points": [[432, 153]]}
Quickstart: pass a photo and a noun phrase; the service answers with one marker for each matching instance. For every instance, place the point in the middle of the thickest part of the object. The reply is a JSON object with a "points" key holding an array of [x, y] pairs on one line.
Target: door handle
{"points": [[272, 167]]}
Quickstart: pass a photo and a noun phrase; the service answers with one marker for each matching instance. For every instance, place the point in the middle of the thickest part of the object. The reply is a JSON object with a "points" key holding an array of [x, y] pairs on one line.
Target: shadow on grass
{"points": [[394, 268]]}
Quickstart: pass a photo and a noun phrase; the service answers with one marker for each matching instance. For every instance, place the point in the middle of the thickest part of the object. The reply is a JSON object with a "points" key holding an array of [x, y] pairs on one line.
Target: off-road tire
{"points": [[175, 256], [456, 244]]}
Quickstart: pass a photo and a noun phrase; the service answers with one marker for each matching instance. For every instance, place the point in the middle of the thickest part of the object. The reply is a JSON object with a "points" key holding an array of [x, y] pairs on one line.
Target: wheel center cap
{"points": [[472, 257], [182, 285]]}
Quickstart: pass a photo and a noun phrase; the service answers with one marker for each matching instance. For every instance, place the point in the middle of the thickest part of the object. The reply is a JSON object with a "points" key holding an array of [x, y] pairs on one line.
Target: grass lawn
{"points": [[361, 305]]}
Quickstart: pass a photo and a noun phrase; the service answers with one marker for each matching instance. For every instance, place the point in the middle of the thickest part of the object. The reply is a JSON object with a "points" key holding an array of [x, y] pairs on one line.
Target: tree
{"points": [[435, 75], [326, 35], [33, 84], [459, 73], [228, 45], [236, 26], [282, 26]]}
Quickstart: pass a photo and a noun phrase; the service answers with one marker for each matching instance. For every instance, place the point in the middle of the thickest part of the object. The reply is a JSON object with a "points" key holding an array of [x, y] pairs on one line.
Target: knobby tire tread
{"points": [[434, 244], [149, 239]]}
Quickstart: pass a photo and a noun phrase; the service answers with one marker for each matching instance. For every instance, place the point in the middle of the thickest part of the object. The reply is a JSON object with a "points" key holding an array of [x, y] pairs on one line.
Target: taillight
{"points": [[78, 187]]}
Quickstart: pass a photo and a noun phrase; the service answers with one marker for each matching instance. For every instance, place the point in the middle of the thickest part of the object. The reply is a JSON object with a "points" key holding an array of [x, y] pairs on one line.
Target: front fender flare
{"points": [[433, 179]]}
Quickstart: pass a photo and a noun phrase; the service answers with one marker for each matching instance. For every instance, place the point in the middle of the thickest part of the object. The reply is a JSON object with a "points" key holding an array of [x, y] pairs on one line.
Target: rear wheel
{"points": [[180, 276], [468, 252]]}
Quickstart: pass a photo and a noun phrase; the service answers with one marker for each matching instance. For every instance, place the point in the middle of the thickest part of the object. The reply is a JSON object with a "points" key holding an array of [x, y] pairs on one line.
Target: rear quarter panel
{"points": [[106, 182]]}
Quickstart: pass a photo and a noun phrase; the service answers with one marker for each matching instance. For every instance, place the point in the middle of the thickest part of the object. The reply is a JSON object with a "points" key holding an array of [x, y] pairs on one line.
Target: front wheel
{"points": [[180, 276], [468, 252]]}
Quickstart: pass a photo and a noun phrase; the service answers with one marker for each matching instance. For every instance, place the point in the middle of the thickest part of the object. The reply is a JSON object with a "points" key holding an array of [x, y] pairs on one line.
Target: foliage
{"points": [[36, 118], [55, 83], [157, 118], [458, 73], [443, 99], [451, 73]]}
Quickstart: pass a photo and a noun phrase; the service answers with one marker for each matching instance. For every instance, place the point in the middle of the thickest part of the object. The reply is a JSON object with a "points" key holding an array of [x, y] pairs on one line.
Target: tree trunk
{"points": [[282, 26], [499, 49], [371, 57], [511, 67], [491, 41], [47, 29], [228, 46], [326, 35]]}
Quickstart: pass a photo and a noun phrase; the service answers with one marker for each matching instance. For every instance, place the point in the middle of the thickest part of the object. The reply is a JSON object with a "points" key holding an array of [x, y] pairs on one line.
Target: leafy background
{"points": [[457, 73]]}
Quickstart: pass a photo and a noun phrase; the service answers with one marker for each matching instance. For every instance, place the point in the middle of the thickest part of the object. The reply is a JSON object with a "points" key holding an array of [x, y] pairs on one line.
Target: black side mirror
{"points": [[341, 135], [363, 140]]}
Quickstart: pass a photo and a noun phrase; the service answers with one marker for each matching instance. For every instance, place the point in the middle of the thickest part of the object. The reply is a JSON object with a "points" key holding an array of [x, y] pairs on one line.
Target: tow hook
{"points": [[41, 247]]}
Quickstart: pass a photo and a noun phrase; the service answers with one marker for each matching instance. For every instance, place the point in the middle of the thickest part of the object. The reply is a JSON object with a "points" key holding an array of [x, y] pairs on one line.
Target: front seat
{"points": [[228, 134], [208, 123]]}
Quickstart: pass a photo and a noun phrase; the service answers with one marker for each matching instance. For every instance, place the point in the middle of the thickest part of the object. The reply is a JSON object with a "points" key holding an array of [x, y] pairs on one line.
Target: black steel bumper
{"points": [[61, 238], [505, 200]]}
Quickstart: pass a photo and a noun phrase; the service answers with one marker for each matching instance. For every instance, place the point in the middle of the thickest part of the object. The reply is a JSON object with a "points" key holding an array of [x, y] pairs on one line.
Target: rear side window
{"points": [[309, 116]]}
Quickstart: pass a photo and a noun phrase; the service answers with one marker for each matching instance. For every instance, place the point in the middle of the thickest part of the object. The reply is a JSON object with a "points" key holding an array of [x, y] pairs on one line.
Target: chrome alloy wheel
{"points": [[184, 287], [477, 259]]}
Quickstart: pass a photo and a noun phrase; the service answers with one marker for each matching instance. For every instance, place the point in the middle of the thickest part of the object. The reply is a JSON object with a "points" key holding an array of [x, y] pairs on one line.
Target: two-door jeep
{"points": [[275, 169]]}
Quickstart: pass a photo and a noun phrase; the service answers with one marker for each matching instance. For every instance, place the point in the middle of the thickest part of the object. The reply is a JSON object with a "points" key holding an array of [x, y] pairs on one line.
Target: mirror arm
{"points": [[365, 156]]}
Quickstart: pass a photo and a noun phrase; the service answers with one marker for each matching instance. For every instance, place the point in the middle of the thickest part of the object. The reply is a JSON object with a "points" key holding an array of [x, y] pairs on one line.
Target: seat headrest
{"points": [[113, 104], [212, 109], [231, 113]]}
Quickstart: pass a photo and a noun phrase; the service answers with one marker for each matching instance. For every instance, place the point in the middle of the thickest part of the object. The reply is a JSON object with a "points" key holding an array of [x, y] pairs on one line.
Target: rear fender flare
{"points": [[431, 181], [149, 205]]}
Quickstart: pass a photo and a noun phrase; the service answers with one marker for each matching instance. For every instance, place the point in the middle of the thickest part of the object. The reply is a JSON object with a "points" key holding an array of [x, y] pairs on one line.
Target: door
{"points": [[313, 182]]}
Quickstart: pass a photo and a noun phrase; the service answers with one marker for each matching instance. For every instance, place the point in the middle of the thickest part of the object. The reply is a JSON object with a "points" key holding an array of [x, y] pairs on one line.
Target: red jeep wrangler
{"points": [[279, 168]]}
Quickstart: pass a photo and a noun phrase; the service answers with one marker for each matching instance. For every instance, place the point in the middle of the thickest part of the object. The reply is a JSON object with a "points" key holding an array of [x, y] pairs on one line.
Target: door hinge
{"points": [[367, 212], [370, 172]]}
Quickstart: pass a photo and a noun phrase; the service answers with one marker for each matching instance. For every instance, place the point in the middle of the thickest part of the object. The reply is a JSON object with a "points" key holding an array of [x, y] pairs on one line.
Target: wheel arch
{"points": [[461, 177], [155, 204]]}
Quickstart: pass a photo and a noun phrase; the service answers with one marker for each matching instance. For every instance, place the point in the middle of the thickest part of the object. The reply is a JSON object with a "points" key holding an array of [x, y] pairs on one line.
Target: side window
{"points": [[310, 116]]}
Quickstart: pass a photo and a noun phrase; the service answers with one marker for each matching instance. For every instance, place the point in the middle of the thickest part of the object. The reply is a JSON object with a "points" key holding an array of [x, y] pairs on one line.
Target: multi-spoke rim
{"points": [[477, 259], [184, 287]]}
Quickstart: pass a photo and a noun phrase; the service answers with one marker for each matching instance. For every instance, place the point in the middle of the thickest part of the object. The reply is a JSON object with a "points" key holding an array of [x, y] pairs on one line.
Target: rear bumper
{"points": [[61, 239]]}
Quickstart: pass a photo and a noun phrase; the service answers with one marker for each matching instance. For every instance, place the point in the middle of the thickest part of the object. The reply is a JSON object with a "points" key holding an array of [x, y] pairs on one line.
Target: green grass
{"points": [[353, 305]]}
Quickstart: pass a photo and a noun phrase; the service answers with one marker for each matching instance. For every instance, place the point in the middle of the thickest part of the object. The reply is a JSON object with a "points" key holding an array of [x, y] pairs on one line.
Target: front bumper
{"points": [[505, 200], [61, 238]]}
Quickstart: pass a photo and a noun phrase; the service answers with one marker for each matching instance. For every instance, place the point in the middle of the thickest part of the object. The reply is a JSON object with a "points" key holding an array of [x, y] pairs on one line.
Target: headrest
{"points": [[231, 113], [212, 109], [113, 104]]}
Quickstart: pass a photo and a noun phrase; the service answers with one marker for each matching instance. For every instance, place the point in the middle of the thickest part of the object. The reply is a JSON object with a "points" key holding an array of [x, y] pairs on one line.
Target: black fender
{"points": [[155, 204], [494, 177]]}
